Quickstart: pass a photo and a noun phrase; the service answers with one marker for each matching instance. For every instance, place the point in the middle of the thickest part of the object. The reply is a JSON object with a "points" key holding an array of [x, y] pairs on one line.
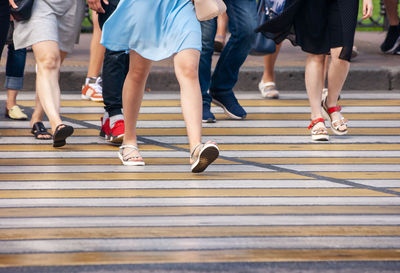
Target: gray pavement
{"points": [[370, 70]]}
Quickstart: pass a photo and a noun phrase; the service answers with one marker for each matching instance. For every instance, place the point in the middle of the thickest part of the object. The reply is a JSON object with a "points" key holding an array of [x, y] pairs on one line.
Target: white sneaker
{"points": [[268, 90], [93, 90]]}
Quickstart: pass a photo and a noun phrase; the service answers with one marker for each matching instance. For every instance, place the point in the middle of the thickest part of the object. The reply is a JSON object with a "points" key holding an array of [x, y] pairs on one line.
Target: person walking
{"points": [[115, 69], [391, 44], [218, 86], [153, 31], [52, 30]]}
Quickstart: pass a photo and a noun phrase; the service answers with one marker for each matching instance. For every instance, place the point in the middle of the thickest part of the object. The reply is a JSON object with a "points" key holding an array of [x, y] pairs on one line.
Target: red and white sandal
{"points": [[319, 134], [337, 123]]}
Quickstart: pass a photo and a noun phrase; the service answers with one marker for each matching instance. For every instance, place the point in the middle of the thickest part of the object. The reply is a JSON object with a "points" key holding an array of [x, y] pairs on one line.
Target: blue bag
{"points": [[266, 10]]}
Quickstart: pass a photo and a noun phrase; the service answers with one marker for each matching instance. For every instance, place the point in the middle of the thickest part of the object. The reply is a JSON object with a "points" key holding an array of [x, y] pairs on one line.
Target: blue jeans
{"points": [[15, 68], [242, 22]]}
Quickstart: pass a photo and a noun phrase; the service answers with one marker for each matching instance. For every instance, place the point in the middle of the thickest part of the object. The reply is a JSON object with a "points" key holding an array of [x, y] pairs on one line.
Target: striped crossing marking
{"points": [[272, 196]]}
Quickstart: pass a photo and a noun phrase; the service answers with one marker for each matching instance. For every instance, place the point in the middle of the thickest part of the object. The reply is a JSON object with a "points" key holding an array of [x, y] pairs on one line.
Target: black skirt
{"points": [[320, 25]]}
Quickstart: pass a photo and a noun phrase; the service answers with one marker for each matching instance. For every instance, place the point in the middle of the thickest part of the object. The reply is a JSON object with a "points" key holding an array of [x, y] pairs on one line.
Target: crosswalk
{"points": [[272, 196]]}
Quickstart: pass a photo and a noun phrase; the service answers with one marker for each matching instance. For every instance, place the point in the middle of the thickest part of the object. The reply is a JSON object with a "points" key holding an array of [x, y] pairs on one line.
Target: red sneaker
{"points": [[117, 132], [105, 128]]}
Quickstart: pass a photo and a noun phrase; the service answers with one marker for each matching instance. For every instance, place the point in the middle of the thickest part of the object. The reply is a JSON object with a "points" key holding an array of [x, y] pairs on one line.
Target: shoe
{"points": [[219, 43], [117, 132], [105, 128], [318, 134], [208, 117], [354, 52], [92, 90], [230, 105], [392, 40], [268, 90], [208, 154], [16, 113], [335, 124], [61, 133], [38, 129], [130, 160]]}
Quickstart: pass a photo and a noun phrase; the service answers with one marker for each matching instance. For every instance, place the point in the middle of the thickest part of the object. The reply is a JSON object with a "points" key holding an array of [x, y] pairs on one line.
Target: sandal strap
{"points": [[194, 149], [334, 109], [315, 121], [127, 156]]}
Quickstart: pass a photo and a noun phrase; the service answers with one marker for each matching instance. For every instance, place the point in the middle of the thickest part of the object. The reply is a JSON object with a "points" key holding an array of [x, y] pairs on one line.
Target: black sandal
{"points": [[38, 129], [61, 134]]}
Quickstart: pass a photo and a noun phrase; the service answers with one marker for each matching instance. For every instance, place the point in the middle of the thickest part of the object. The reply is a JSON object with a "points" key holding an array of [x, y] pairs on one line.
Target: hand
{"points": [[367, 9], [95, 5], [12, 4]]}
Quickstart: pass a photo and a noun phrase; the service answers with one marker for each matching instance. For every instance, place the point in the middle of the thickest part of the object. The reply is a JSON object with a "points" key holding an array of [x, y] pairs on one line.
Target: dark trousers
{"points": [[115, 69], [4, 23]]}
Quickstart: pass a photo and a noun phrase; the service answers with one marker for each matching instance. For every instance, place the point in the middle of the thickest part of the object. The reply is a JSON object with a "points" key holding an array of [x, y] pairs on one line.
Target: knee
{"points": [[189, 71], [49, 61], [316, 58], [137, 75]]}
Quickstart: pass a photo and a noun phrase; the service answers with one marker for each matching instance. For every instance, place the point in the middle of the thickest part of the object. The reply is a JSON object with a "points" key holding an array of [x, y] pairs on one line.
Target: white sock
{"points": [[105, 117], [114, 119]]}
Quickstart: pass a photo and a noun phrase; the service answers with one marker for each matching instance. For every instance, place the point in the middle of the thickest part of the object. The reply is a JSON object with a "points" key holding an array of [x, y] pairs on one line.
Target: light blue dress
{"points": [[155, 29]]}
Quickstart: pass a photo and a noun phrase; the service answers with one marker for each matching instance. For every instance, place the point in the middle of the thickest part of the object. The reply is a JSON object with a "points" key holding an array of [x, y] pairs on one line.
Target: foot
{"points": [[230, 105], [117, 129], [40, 132], [130, 156], [392, 40], [208, 117], [15, 113], [338, 122], [105, 127], [219, 43], [61, 133], [203, 155], [268, 90], [318, 130], [92, 89]]}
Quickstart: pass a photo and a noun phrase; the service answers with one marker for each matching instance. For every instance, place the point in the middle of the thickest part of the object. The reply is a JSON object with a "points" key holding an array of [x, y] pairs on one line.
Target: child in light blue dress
{"points": [[154, 30]]}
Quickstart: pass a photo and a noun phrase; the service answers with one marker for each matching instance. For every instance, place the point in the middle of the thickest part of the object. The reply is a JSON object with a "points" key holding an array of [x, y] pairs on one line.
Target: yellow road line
{"points": [[196, 210], [360, 175], [218, 131], [168, 232], [128, 193], [201, 256], [77, 147], [251, 116], [149, 176], [325, 160]]}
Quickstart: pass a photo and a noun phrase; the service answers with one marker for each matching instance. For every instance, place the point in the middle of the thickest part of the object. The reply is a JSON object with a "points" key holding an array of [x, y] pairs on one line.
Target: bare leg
{"points": [[314, 82], [11, 98], [132, 96], [391, 12], [48, 59], [96, 49], [37, 115], [186, 65], [222, 24], [269, 65], [337, 74]]}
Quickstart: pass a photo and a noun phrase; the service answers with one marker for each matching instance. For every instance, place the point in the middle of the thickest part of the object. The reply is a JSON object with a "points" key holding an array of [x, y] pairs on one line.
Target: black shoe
{"points": [[208, 117], [392, 40], [231, 106]]}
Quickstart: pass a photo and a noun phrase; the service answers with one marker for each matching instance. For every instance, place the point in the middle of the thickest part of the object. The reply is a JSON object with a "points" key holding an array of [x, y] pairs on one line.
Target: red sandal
{"points": [[319, 134], [335, 124]]}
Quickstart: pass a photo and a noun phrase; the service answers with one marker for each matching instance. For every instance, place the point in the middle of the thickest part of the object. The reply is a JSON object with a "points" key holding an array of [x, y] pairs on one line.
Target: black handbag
{"points": [[262, 45], [24, 10]]}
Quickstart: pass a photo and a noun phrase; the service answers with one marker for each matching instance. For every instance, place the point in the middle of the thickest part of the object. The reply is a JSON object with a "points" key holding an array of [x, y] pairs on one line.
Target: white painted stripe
{"points": [[169, 184], [344, 168], [173, 244], [25, 125], [379, 183], [199, 201], [199, 220], [233, 154], [126, 169], [258, 124], [219, 139], [279, 139]]}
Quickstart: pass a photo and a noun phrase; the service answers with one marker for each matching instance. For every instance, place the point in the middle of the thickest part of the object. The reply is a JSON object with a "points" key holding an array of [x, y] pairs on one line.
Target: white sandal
{"points": [[337, 123], [268, 90], [318, 134], [208, 154], [126, 159]]}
